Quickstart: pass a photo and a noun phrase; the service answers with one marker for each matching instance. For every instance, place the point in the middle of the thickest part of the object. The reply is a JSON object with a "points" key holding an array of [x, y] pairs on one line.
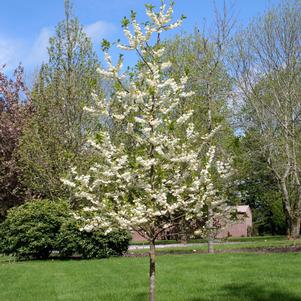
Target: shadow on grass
{"points": [[252, 292], [248, 292], [140, 297], [240, 292]]}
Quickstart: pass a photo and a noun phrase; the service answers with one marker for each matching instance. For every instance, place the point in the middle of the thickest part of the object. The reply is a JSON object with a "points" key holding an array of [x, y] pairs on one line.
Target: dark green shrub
{"points": [[72, 241], [30, 230], [39, 227]]}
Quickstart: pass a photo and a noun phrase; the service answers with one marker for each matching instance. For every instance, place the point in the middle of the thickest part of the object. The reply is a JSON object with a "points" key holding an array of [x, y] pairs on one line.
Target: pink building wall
{"points": [[137, 237], [239, 229]]}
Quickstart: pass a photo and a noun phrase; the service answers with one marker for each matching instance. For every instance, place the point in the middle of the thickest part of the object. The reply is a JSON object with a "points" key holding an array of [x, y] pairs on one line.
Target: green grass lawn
{"points": [[196, 277], [230, 239], [244, 244]]}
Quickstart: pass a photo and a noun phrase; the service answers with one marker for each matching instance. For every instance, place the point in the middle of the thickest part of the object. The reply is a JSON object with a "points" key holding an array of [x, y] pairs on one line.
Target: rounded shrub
{"points": [[71, 241], [35, 229], [30, 230]]}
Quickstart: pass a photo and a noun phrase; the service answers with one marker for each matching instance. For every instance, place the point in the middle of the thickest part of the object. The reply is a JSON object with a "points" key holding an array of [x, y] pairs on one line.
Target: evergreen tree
{"points": [[67, 83]]}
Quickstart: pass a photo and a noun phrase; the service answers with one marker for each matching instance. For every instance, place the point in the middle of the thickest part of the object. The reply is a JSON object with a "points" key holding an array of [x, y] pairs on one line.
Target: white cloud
{"points": [[38, 52], [32, 54], [99, 30], [10, 50]]}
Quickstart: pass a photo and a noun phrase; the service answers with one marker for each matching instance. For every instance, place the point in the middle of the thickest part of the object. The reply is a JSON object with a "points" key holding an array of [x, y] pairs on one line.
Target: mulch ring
{"points": [[259, 250]]}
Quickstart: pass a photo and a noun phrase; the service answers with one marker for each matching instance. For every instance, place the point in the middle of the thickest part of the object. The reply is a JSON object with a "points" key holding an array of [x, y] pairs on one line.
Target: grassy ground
{"points": [[230, 239], [196, 277], [244, 244]]}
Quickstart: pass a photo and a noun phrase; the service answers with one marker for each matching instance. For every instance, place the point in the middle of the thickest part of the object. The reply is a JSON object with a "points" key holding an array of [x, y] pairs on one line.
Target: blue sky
{"points": [[26, 25]]}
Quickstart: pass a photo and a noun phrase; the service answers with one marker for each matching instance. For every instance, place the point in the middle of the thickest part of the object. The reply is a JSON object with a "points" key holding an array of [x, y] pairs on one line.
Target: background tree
{"points": [[201, 57], [267, 68], [15, 109], [257, 185], [55, 137]]}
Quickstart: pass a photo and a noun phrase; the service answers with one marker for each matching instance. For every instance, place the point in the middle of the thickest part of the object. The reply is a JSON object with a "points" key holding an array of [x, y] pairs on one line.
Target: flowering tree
{"points": [[217, 212], [15, 109], [151, 175]]}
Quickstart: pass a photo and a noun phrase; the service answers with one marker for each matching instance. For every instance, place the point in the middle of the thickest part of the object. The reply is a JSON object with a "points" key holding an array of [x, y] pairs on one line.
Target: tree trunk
{"points": [[183, 239], [183, 233], [294, 228], [210, 246], [210, 211], [210, 228], [152, 270]]}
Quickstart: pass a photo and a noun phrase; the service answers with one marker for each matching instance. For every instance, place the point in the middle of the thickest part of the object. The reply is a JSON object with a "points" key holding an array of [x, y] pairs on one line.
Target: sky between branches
{"points": [[25, 26]]}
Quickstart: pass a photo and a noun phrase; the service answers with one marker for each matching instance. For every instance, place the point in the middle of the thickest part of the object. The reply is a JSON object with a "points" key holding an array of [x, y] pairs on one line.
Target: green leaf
{"points": [[125, 22], [105, 45]]}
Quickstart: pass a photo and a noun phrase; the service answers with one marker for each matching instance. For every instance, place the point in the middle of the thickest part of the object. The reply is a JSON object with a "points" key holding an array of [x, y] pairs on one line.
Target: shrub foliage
{"points": [[35, 229], [72, 241]]}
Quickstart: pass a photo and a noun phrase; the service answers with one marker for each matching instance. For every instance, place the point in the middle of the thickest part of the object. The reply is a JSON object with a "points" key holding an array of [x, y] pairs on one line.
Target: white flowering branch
{"points": [[152, 177]]}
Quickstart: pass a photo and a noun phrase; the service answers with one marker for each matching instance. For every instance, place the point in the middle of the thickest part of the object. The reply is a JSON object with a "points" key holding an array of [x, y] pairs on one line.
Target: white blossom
{"points": [[157, 174], [68, 183], [182, 119], [166, 65]]}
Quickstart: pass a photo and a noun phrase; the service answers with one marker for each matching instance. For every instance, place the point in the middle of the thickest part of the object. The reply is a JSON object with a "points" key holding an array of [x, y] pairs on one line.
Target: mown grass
{"points": [[230, 239], [196, 277], [246, 244]]}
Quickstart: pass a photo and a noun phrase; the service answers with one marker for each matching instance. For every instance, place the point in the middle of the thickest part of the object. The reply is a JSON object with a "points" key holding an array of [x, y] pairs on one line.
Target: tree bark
{"points": [[183, 239], [294, 228], [152, 270], [210, 245], [183, 233], [210, 236]]}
